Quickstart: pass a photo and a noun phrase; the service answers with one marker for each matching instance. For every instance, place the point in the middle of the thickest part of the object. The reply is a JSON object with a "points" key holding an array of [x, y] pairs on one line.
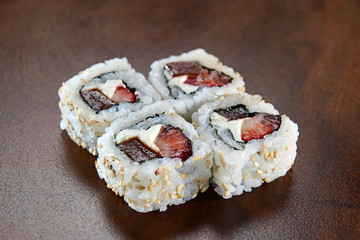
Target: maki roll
{"points": [[91, 100], [251, 142], [193, 78], [154, 159]]}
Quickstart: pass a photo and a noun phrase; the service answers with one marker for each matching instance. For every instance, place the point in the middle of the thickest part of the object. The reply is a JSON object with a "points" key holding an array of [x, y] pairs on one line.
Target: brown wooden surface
{"points": [[302, 56]]}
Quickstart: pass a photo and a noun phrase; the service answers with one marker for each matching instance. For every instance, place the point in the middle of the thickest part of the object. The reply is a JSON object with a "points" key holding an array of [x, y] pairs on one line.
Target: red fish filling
{"points": [[171, 142], [98, 101], [256, 125], [197, 75]]}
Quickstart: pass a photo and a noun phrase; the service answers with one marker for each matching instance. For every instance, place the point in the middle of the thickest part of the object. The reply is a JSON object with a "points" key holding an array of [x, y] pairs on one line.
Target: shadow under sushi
{"points": [[208, 210], [81, 162]]}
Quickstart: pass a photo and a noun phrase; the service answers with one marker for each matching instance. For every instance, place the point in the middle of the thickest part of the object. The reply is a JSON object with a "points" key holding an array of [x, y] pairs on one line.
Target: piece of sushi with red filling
{"points": [[95, 97], [251, 142], [192, 79], [154, 159]]}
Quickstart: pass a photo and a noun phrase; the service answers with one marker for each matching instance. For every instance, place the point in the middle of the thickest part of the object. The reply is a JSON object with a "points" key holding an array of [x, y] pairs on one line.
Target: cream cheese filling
{"points": [[180, 82], [234, 126], [146, 136], [108, 88]]}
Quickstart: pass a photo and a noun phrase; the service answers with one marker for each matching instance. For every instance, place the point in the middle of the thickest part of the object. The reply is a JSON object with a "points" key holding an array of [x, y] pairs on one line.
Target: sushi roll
{"points": [[154, 159], [91, 100], [251, 142], [193, 78]]}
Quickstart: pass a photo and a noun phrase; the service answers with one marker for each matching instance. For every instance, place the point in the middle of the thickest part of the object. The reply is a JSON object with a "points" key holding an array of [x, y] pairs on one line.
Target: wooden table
{"points": [[302, 56]]}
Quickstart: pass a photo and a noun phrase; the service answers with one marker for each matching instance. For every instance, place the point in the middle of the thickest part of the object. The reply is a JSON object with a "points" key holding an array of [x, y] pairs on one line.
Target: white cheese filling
{"points": [[180, 82], [108, 88], [146, 136], [234, 126]]}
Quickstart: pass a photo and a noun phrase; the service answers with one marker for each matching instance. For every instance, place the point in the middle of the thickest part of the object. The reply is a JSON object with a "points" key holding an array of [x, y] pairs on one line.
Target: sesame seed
{"points": [[166, 196], [158, 183], [208, 164], [133, 178], [140, 187], [267, 180], [225, 187], [223, 160], [275, 168], [146, 205], [162, 190], [152, 182], [268, 171], [129, 185], [149, 188], [284, 135], [195, 124], [135, 173], [256, 164], [112, 173], [178, 165], [179, 188], [252, 157], [157, 201], [197, 159], [168, 183], [217, 169], [183, 175], [197, 136], [168, 169], [180, 196], [275, 153], [272, 154], [226, 193], [287, 147], [259, 171], [241, 89], [194, 195], [166, 178], [264, 147]]}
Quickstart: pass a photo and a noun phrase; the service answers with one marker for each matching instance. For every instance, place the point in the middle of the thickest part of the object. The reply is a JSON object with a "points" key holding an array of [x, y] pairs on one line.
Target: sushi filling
{"points": [[243, 125], [158, 141], [103, 95], [190, 76]]}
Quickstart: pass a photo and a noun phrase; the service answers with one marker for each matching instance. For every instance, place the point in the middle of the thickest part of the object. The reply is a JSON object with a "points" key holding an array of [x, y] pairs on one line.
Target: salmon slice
{"points": [[259, 126], [123, 94], [173, 143], [197, 75]]}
